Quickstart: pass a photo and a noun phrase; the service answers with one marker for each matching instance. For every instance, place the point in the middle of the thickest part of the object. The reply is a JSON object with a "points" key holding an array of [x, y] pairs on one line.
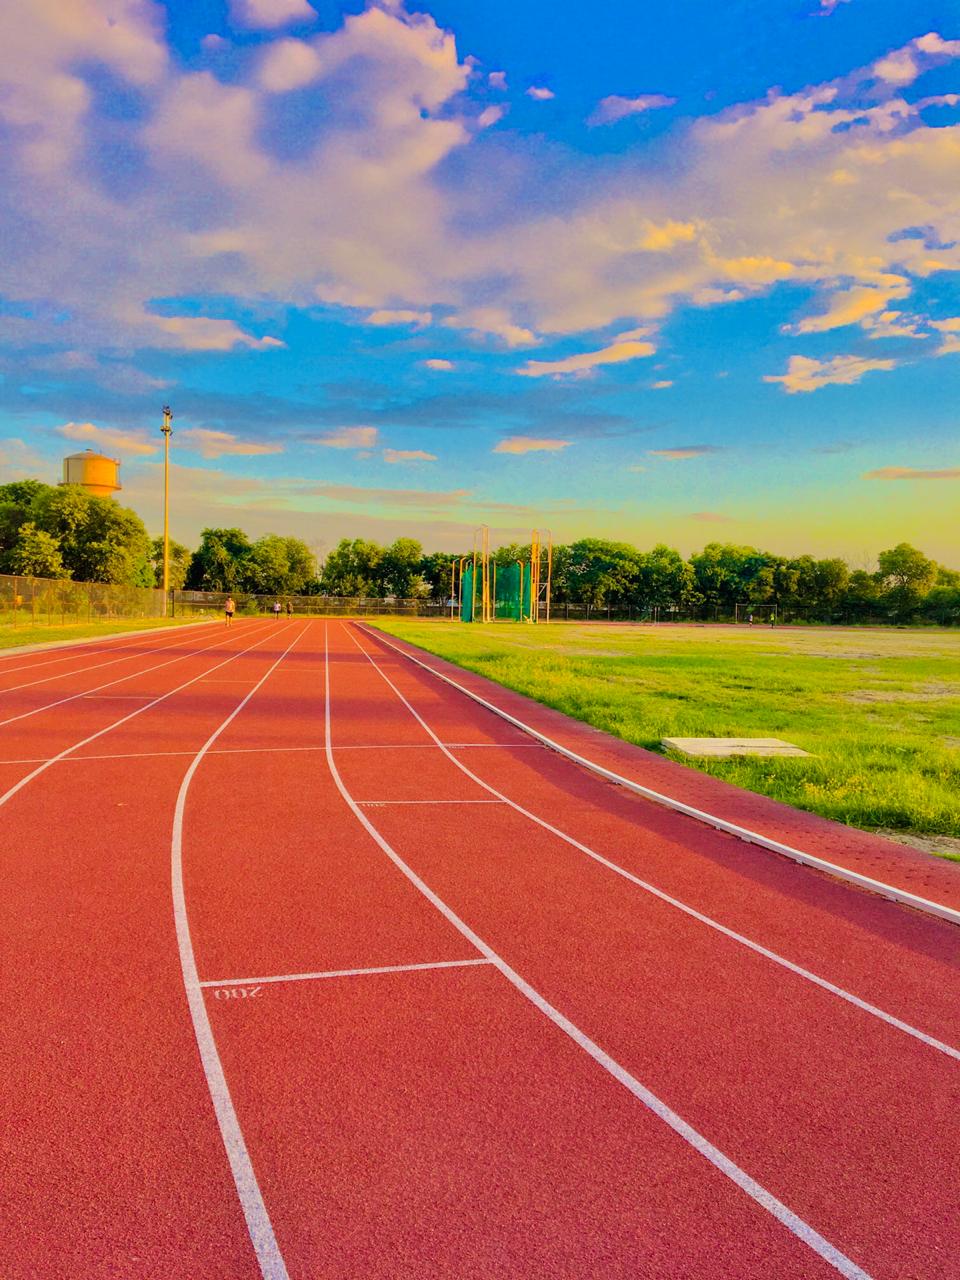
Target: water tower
{"points": [[95, 472]]}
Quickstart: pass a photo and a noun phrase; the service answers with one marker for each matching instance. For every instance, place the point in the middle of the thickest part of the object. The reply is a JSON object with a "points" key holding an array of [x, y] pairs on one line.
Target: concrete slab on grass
{"points": [[724, 747]]}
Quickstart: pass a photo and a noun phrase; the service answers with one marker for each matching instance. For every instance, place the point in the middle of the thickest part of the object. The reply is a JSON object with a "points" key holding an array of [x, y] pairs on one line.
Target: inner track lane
{"points": [[132, 715]]}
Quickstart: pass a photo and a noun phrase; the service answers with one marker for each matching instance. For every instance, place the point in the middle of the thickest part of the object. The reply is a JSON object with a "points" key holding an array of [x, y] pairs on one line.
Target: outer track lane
{"points": [[909, 871], [26, 743], [427, 1122], [87, 669], [23, 666], [826, 1106], [113, 1162], [906, 963]]}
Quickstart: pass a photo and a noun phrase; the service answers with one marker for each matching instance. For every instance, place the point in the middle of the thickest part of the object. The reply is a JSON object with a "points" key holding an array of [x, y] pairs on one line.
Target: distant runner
{"points": [[229, 609], [276, 609], [289, 608]]}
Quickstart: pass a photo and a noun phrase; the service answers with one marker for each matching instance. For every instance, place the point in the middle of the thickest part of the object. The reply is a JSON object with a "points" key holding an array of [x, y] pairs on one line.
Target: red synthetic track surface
{"points": [[473, 1120]]}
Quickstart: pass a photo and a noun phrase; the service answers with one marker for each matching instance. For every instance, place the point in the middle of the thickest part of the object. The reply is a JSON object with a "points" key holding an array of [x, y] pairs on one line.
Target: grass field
{"points": [[879, 710], [14, 636]]}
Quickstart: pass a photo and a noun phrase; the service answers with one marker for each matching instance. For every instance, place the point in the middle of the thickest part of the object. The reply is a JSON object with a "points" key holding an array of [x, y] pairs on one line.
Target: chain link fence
{"points": [[32, 602], [183, 603], [27, 601]]}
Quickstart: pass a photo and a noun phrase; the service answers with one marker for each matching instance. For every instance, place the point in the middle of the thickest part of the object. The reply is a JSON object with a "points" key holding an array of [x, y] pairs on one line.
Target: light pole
{"points": [[167, 433]]}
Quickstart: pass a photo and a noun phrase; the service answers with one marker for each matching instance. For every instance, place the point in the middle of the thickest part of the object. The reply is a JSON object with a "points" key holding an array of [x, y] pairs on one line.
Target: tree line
{"points": [[723, 577], [62, 532]]}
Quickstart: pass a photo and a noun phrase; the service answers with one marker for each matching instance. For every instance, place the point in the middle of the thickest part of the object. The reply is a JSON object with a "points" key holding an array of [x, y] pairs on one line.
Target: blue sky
{"points": [[673, 273]]}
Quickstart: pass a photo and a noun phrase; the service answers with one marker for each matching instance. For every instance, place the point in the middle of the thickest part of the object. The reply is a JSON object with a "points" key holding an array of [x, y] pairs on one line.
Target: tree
{"points": [[942, 605], [511, 553], [278, 566], [353, 568], [99, 540], [219, 563], [17, 500], [435, 571], [399, 568], [604, 573], [180, 557], [36, 553], [664, 578], [906, 575]]}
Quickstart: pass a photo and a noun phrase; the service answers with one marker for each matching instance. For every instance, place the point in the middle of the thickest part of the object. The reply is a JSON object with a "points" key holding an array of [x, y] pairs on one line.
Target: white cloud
{"points": [[811, 189], [497, 80], [902, 66], [613, 108], [200, 333], [493, 322], [912, 473], [135, 441], [628, 346], [540, 93], [288, 64], [950, 329], [438, 365], [266, 14], [348, 438], [852, 306], [418, 318], [662, 384], [408, 455], [894, 324], [530, 444], [20, 459], [490, 116], [683, 452], [219, 444], [805, 374]]}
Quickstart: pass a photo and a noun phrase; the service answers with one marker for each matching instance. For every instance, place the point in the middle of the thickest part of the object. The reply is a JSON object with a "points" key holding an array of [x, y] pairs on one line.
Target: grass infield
{"points": [[12, 637], [878, 710]]}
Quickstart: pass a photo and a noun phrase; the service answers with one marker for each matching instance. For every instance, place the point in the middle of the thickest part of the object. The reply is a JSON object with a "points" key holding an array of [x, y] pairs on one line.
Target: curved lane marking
{"points": [[765, 1199]]}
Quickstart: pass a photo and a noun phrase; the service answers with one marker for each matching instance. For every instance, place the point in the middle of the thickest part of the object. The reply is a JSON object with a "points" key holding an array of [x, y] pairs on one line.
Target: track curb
{"points": [[879, 887], [44, 645]]}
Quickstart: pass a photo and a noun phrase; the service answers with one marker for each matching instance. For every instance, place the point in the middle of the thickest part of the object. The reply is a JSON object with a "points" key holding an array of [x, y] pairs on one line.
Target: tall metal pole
{"points": [[167, 432]]}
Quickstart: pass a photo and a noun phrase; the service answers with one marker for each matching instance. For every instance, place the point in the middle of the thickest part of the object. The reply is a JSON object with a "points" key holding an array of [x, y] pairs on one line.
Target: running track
{"points": [[315, 968]]}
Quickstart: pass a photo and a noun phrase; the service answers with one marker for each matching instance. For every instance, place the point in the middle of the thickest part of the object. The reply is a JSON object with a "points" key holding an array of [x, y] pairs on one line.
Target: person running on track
{"points": [[229, 609], [277, 606], [289, 608]]}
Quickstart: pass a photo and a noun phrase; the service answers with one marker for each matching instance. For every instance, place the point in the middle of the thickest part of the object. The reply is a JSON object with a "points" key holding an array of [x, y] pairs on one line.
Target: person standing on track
{"points": [[276, 610], [229, 609], [289, 608]]}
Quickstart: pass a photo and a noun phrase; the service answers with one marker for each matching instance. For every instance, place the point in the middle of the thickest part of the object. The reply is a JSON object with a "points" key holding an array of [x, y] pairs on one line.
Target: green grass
{"points": [[879, 710], [13, 636]]}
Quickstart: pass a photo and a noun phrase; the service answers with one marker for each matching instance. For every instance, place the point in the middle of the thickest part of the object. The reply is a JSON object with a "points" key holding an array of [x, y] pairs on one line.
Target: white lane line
{"points": [[346, 973], [76, 648], [148, 755], [380, 803], [879, 887], [259, 1226], [74, 697], [46, 764], [94, 666], [224, 751], [796, 1225], [739, 938]]}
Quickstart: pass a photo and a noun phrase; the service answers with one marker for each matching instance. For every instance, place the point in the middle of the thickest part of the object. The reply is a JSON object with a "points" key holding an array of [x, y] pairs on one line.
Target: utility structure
{"points": [[518, 591], [94, 472], [167, 433]]}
